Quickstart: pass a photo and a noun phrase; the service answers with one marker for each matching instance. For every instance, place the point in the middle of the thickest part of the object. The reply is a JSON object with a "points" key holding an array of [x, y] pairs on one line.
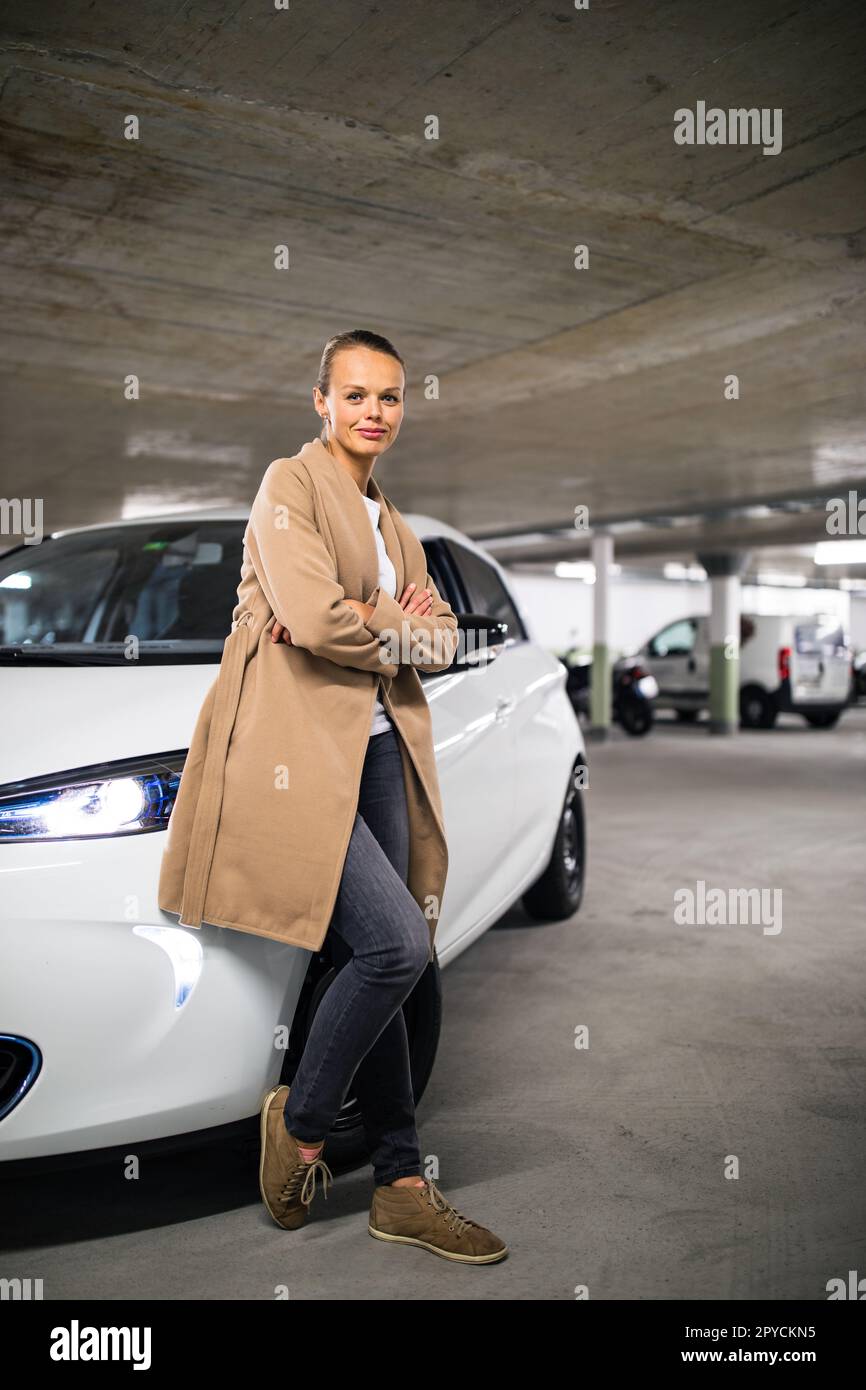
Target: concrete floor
{"points": [[602, 1167]]}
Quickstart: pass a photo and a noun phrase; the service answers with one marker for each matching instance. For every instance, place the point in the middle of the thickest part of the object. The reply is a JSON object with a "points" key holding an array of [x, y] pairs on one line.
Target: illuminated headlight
{"points": [[121, 798]]}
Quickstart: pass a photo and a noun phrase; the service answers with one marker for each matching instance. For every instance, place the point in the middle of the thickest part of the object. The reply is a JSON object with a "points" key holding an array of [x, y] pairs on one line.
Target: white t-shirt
{"points": [[388, 581]]}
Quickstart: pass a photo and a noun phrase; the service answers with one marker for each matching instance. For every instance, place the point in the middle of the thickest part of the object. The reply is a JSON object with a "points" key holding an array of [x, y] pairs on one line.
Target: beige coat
{"points": [[259, 831]]}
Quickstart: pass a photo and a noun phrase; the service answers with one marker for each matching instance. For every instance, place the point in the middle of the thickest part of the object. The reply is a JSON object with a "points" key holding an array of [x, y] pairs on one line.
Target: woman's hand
{"points": [[363, 610], [281, 634], [416, 603], [409, 602]]}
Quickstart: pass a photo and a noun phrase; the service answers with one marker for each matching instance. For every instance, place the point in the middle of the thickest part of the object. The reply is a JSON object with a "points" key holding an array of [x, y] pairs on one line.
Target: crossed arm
{"points": [[410, 603]]}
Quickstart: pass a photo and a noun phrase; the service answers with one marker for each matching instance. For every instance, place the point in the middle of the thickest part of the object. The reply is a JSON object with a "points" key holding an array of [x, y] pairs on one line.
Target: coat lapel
{"points": [[355, 514]]}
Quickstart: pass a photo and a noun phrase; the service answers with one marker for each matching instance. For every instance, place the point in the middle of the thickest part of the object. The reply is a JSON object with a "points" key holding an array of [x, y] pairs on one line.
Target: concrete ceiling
{"points": [[557, 386]]}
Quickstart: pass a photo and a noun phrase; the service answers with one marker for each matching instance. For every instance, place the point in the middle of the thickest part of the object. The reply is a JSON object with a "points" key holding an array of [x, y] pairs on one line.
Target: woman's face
{"points": [[364, 401]]}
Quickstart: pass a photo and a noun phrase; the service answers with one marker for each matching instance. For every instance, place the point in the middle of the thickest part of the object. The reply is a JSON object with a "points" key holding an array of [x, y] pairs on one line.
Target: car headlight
{"points": [[130, 797]]}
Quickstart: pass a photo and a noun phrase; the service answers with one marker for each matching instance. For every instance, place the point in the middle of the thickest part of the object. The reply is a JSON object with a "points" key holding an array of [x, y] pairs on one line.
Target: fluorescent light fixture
{"points": [[673, 569], [575, 569], [582, 569], [524, 538], [758, 511], [781, 579], [840, 553]]}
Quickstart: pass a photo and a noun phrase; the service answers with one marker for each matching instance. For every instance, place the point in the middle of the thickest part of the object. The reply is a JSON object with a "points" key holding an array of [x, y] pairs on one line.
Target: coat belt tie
{"points": [[207, 812]]}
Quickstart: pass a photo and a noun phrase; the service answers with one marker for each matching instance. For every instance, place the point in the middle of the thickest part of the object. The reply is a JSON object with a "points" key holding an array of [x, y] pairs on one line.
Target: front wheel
{"points": [[559, 890], [636, 717]]}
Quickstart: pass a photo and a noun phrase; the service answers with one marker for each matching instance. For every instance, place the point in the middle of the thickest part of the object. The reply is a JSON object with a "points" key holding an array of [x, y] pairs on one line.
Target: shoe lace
{"points": [[308, 1186], [456, 1220]]}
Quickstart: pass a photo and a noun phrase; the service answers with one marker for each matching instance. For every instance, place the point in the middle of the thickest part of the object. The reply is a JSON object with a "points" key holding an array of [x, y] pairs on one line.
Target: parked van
{"points": [[798, 664]]}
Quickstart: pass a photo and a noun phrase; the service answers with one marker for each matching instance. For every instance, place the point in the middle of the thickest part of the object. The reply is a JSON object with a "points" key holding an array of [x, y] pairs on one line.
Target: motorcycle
{"points": [[633, 692]]}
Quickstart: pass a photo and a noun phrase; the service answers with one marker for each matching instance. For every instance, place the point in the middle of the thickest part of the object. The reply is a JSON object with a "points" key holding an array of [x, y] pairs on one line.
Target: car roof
{"points": [[425, 526]]}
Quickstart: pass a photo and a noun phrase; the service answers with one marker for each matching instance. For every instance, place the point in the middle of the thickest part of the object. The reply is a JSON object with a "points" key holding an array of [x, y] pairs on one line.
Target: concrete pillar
{"points": [[600, 694], [724, 569]]}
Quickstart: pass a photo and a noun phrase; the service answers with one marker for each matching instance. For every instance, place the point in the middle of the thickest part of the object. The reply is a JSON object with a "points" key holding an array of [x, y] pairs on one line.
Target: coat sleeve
{"points": [[428, 643], [298, 575]]}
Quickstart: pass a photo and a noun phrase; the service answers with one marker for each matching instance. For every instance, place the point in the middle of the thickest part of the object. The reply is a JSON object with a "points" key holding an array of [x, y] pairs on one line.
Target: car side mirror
{"points": [[481, 639]]}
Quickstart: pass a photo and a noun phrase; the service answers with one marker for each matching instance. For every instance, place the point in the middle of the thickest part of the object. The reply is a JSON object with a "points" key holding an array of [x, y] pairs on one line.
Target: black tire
{"points": [[687, 716], [636, 717], [824, 720], [345, 1146], [558, 892], [757, 708]]}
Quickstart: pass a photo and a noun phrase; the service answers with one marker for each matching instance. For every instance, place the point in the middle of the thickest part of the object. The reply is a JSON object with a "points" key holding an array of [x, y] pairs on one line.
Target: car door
{"points": [[673, 657], [820, 662], [472, 712], [698, 667]]}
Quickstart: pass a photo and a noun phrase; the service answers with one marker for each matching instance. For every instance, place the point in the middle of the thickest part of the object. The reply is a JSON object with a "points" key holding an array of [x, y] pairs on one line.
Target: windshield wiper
{"points": [[14, 654], [93, 655]]}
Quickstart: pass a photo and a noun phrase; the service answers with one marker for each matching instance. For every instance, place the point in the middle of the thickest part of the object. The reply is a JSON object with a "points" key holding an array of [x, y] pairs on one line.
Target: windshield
{"points": [[171, 586]]}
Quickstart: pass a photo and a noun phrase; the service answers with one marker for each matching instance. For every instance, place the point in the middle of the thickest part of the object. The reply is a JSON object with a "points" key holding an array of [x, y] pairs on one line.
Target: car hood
{"points": [[60, 717]]}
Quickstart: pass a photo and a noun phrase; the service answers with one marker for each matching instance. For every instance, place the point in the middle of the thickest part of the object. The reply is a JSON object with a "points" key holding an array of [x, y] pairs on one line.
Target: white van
{"points": [[800, 664]]}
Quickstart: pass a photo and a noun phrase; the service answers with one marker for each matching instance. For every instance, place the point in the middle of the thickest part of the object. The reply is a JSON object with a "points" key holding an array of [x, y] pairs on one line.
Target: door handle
{"points": [[504, 706]]}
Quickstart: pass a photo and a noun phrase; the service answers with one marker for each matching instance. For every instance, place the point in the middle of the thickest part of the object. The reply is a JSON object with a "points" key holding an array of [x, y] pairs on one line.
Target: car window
{"points": [[442, 576], [485, 591], [676, 640], [172, 581], [818, 638]]}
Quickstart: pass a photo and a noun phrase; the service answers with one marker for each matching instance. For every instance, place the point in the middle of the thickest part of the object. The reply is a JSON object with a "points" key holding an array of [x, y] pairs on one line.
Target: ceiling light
{"points": [[840, 553]]}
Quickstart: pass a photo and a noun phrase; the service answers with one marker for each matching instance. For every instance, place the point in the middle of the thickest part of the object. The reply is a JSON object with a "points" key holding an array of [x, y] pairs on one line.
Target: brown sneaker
{"points": [[422, 1216], [286, 1182]]}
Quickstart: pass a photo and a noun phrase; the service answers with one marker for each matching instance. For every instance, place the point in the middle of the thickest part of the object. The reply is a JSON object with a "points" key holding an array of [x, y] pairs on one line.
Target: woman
{"points": [[346, 702]]}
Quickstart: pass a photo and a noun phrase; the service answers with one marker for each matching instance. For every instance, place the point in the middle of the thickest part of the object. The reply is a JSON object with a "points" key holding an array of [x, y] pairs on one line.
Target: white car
{"points": [[119, 1026], [800, 665]]}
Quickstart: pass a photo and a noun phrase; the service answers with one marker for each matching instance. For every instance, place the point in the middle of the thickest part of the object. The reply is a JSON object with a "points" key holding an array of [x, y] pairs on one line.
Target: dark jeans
{"points": [[380, 940]]}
